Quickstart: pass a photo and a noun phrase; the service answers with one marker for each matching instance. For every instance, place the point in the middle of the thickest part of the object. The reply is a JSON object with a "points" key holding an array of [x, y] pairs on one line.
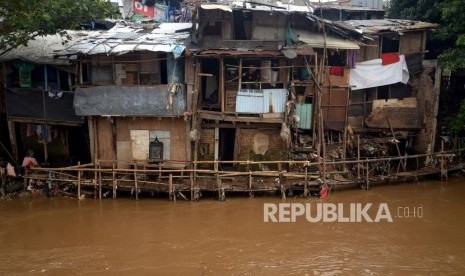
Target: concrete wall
{"points": [[251, 144]]}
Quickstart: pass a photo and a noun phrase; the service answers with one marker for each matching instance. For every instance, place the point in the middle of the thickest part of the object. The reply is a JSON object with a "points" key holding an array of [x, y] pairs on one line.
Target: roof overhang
{"points": [[318, 40]]}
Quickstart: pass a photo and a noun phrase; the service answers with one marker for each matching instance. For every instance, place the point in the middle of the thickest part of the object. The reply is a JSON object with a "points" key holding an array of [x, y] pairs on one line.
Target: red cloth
{"points": [[336, 70], [389, 58]]}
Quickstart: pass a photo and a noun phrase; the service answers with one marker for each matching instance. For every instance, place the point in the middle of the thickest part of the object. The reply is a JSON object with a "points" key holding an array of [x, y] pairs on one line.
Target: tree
{"points": [[448, 43], [457, 125], [420, 10], [453, 28], [23, 20]]}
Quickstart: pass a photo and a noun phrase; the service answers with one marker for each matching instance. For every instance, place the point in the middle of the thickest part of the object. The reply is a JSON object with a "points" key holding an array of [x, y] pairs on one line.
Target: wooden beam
{"points": [[242, 125], [38, 121], [14, 146], [221, 85], [222, 117]]}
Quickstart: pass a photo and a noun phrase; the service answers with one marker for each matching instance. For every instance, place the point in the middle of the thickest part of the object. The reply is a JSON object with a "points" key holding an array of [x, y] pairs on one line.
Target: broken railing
{"points": [[179, 177]]}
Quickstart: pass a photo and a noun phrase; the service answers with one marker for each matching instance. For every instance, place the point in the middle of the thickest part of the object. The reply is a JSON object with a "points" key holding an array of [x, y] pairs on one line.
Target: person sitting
{"points": [[251, 75], [29, 160]]}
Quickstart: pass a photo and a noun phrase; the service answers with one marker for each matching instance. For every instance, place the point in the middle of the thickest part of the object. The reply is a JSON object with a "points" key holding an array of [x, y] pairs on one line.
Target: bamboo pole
{"points": [[358, 157], [100, 183], [306, 182], [368, 176], [191, 178], [443, 174], [113, 180], [170, 187], [136, 189], [79, 182], [395, 142], [250, 184], [96, 173], [173, 188]]}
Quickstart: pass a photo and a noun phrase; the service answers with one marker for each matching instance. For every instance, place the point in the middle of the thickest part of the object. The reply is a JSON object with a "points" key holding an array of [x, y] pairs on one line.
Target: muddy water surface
{"points": [[156, 237]]}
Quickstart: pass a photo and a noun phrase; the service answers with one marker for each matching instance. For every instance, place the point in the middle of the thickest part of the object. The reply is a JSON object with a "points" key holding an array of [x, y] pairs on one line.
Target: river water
{"points": [[62, 236]]}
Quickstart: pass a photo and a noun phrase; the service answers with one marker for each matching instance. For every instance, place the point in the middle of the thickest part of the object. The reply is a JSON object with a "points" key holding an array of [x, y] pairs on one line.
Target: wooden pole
{"points": [[96, 173], [114, 180], [395, 142], [250, 184], [79, 181], [170, 187], [306, 182], [100, 183], [136, 189], [368, 176], [358, 157], [173, 192], [443, 173], [191, 178], [13, 142]]}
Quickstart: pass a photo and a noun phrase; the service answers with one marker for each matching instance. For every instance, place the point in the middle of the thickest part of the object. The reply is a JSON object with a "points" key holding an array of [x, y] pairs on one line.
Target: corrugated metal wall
{"points": [[261, 101], [304, 111]]}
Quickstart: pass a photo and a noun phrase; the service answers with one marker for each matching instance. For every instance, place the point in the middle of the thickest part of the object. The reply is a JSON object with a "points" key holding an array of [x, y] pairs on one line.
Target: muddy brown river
{"points": [[61, 236]]}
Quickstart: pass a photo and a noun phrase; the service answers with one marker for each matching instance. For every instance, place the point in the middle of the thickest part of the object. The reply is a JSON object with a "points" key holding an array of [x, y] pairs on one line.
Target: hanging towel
{"points": [[372, 73], [390, 58], [336, 70], [351, 58], [30, 130]]}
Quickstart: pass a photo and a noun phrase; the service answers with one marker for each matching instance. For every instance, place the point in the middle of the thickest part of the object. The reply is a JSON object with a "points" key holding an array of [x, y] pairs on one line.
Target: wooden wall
{"points": [[118, 145]]}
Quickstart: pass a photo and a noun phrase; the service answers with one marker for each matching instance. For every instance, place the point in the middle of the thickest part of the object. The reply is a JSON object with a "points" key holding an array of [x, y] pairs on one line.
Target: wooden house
{"points": [[256, 69], [131, 90], [37, 111]]}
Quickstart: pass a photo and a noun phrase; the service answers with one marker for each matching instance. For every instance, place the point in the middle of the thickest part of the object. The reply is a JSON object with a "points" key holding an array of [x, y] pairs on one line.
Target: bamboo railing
{"points": [[176, 176]]}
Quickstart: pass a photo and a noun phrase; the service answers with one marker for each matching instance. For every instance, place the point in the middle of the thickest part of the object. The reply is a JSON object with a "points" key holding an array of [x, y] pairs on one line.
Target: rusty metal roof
{"points": [[376, 26], [124, 39]]}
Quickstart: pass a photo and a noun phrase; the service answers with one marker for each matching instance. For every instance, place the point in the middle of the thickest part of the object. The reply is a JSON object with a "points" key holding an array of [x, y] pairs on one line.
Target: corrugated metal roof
{"points": [[257, 6], [42, 49], [331, 6], [317, 40], [122, 39], [374, 26]]}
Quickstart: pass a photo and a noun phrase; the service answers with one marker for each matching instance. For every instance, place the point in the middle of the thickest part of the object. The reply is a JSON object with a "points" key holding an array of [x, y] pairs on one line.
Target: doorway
{"points": [[227, 140]]}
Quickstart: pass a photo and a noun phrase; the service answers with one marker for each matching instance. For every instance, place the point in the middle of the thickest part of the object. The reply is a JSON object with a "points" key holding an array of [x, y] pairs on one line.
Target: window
{"points": [[102, 74], [242, 24], [390, 44]]}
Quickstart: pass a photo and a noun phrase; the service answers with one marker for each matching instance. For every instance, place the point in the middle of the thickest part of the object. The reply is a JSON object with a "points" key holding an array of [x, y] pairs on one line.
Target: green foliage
{"points": [[421, 10], [457, 125], [22, 20], [453, 28], [450, 37]]}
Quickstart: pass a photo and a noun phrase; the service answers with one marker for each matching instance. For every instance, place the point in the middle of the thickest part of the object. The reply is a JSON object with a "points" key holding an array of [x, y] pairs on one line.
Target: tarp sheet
{"points": [[29, 104], [372, 73]]}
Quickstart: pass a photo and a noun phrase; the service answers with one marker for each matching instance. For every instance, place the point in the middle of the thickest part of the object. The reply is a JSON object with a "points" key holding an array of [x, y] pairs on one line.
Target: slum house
{"points": [[130, 89], [37, 103], [256, 70], [392, 88]]}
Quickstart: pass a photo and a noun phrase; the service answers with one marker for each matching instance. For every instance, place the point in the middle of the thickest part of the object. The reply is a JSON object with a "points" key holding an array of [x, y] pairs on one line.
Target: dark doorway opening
{"points": [[227, 139], [242, 24], [390, 44], [210, 85]]}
